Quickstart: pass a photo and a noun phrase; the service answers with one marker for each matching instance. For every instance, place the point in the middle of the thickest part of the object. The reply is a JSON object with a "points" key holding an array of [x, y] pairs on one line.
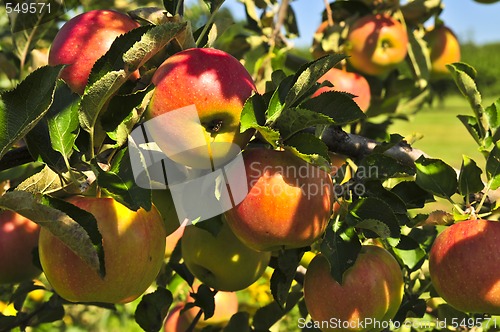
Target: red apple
{"points": [[134, 247], [444, 49], [371, 289], [345, 81], [218, 85], [176, 321], [288, 204], [18, 239], [83, 40], [463, 265], [376, 44]]}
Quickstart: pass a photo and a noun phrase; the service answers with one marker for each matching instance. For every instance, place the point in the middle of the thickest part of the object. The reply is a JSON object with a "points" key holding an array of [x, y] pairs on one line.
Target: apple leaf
{"points": [[308, 75], [277, 102], [293, 120], [213, 5], [74, 227], [268, 315], [62, 121], [437, 177], [492, 114], [153, 309], [469, 180], [341, 250], [119, 183], [284, 273], [376, 226], [410, 252], [413, 196], [310, 149], [172, 6], [374, 188], [25, 105], [204, 298], [419, 56], [153, 41], [239, 322], [338, 106], [149, 15], [381, 166], [493, 167], [472, 126], [252, 117], [47, 181], [373, 208]]}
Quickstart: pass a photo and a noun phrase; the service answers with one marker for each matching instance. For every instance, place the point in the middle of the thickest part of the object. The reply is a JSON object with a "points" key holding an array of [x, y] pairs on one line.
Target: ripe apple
{"points": [[83, 40], [218, 85], [444, 49], [222, 262], [18, 239], [226, 305], [345, 81], [176, 321], [376, 44], [134, 247], [371, 288], [463, 265], [288, 203]]}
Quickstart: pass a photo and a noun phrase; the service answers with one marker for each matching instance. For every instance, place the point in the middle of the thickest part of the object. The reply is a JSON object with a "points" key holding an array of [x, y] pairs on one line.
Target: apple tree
{"points": [[338, 228]]}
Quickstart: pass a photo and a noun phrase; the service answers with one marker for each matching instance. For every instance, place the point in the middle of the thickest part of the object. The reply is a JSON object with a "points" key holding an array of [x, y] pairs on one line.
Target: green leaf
{"points": [[22, 107], [376, 226], [339, 106], [213, 5], [47, 181], [413, 196], [239, 322], [371, 208], [307, 76], [377, 190], [472, 126], [284, 273], [58, 223], [492, 114], [153, 309], [310, 149], [268, 315], [437, 177], [410, 252], [204, 298], [119, 183], [493, 167], [277, 102], [293, 120], [62, 120], [469, 180], [381, 166], [171, 6], [341, 250]]}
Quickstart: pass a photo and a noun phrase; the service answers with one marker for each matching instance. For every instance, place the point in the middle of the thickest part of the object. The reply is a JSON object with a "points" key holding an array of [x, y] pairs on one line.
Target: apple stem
{"points": [[195, 321], [483, 199]]}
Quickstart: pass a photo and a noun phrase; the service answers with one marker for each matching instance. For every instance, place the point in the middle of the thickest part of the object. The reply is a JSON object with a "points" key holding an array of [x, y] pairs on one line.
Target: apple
{"points": [[222, 262], [18, 239], [172, 240], [371, 289], [134, 247], [463, 265], [376, 44], [444, 49], [345, 81], [176, 320], [226, 305], [288, 203], [218, 85], [83, 40]]}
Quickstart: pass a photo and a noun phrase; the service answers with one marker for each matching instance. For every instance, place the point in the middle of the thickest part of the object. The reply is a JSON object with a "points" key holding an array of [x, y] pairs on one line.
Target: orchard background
{"points": [[397, 182]]}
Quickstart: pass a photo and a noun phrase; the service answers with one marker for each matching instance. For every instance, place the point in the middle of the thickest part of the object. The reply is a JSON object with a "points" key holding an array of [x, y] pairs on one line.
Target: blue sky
{"points": [[471, 21]]}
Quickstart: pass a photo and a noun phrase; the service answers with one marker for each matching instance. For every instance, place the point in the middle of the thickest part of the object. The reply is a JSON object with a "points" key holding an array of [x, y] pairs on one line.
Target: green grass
{"points": [[441, 133]]}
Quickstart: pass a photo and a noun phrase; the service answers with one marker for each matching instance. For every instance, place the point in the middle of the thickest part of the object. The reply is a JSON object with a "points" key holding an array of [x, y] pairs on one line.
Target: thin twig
{"points": [[282, 13], [329, 14]]}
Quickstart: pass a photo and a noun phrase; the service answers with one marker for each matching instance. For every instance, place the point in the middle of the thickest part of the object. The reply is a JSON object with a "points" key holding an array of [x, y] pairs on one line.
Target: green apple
{"points": [[222, 262], [288, 204], [371, 289], [134, 247], [218, 85], [463, 265], [83, 40], [18, 239], [376, 44]]}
